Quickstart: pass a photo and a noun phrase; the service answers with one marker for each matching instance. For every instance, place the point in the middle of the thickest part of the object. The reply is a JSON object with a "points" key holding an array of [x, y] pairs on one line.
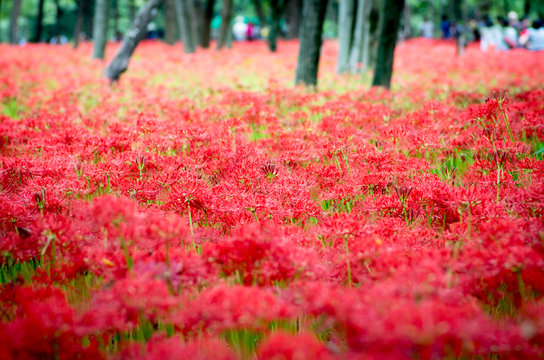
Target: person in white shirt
{"points": [[427, 29]]}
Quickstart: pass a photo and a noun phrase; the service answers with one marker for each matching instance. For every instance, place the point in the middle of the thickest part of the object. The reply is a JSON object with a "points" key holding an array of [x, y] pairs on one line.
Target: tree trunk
{"points": [[79, 22], [15, 10], [293, 18], [206, 23], [277, 7], [115, 16], [39, 22], [527, 7], [345, 33], [100, 28], [389, 31], [184, 22], [170, 22], [195, 11], [138, 31], [313, 16], [406, 28], [259, 10], [359, 56], [224, 30], [58, 16], [458, 16], [132, 11]]}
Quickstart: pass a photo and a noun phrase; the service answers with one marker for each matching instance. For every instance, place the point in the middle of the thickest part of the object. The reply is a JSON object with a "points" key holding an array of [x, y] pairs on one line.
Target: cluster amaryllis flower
{"points": [[207, 209]]}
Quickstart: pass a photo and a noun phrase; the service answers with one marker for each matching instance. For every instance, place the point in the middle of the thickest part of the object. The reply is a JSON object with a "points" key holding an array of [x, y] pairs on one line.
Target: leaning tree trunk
{"points": [[277, 10], [226, 16], [170, 22], [39, 22], [13, 38], [389, 31], [79, 22], [345, 33], [184, 22], [313, 15], [359, 53], [206, 24], [119, 64], [100, 28]]}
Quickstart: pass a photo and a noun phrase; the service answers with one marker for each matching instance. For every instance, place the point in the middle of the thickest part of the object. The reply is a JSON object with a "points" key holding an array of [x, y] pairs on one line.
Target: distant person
{"points": [[250, 32], [487, 36], [498, 34], [445, 26], [534, 38], [239, 29], [427, 29], [511, 30]]}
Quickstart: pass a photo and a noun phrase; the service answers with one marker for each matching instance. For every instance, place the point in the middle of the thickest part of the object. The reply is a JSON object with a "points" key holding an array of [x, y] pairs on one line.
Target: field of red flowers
{"points": [[205, 208]]}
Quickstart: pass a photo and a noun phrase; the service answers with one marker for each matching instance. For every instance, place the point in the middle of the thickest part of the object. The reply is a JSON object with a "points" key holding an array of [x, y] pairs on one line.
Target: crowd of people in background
{"points": [[507, 33], [510, 33]]}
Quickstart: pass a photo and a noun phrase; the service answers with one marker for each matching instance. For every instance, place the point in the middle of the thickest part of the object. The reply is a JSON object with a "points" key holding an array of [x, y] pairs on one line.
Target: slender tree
{"points": [[39, 22], [277, 8], [115, 16], [100, 28], [14, 17], [313, 16], [293, 18], [195, 11], [170, 22], [259, 10], [389, 31], [120, 62], [183, 16], [79, 22], [206, 24], [224, 30], [132, 10], [360, 50], [346, 33], [58, 17]]}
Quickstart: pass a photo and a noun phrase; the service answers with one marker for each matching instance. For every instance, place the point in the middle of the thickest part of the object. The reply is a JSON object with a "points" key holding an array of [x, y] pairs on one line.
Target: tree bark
{"points": [[184, 22], [115, 16], [259, 10], [359, 56], [39, 22], [206, 23], [100, 28], [195, 11], [391, 12], [15, 10], [313, 16], [406, 28], [345, 33], [293, 18], [138, 31], [132, 11], [170, 22], [226, 17], [277, 7], [79, 22], [58, 16]]}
